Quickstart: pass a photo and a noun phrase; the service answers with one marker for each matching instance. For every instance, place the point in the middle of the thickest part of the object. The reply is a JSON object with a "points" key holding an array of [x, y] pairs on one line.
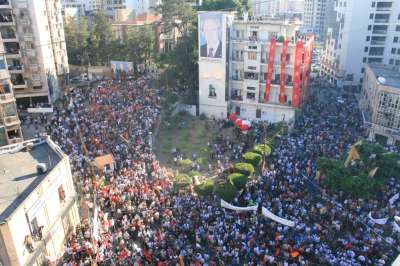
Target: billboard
{"points": [[121, 66], [211, 35]]}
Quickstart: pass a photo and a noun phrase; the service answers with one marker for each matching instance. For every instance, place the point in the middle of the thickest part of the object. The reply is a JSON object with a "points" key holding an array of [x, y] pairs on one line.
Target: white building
{"points": [[38, 206], [273, 8], [33, 38], [363, 33], [318, 16], [10, 126], [380, 103], [244, 71]]}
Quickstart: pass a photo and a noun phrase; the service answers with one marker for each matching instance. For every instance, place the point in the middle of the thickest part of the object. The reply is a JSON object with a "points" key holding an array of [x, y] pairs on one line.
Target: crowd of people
{"points": [[141, 220]]}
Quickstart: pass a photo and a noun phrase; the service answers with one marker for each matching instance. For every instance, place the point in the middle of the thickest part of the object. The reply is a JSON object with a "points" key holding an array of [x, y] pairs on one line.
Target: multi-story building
{"points": [[380, 103], [318, 16], [273, 8], [10, 126], [257, 68], [33, 38], [38, 207], [363, 33]]}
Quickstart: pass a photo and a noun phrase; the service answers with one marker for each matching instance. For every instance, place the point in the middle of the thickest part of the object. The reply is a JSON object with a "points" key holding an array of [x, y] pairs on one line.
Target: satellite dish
{"points": [[381, 80]]}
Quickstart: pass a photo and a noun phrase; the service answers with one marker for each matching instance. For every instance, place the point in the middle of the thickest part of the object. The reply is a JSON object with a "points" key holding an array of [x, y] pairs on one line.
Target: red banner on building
{"points": [[270, 70], [296, 75], [307, 62], [282, 99]]}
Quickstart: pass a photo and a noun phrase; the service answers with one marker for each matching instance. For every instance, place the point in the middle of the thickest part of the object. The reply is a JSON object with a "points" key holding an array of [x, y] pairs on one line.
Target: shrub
{"points": [[186, 163], [205, 188], [238, 180], [203, 117], [253, 158], [244, 168], [201, 161], [262, 148], [226, 191], [182, 181], [193, 173]]}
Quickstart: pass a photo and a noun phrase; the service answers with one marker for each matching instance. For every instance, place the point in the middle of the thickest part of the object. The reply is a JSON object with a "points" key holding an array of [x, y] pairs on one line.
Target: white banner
{"points": [[226, 205], [275, 218], [40, 110], [377, 221], [394, 198]]}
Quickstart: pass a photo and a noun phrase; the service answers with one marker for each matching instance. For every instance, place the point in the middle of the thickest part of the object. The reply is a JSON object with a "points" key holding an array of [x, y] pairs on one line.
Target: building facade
{"points": [[318, 16], [260, 69], [362, 33], [273, 8], [34, 42], [39, 212], [10, 126], [380, 103]]}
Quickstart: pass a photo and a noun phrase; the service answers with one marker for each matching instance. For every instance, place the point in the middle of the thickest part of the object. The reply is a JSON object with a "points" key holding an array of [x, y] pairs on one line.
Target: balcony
{"points": [[237, 59], [377, 42], [382, 20], [7, 97], [15, 68], [6, 19], [18, 81], [9, 37], [4, 4], [379, 32], [36, 82], [234, 78], [28, 37], [10, 121]]}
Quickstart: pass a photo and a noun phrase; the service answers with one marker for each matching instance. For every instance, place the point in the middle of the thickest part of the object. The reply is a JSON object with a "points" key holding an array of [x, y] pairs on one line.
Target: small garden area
{"points": [[362, 173]]}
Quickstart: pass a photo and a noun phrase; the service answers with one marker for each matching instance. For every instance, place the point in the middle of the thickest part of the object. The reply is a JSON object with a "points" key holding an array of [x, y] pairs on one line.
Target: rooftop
{"points": [[18, 174], [390, 75]]}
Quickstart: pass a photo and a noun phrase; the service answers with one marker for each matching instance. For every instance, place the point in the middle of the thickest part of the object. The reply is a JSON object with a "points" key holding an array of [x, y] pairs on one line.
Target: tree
{"points": [[238, 5], [100, 40], [76, 38], [140, 45], [177, 14]]}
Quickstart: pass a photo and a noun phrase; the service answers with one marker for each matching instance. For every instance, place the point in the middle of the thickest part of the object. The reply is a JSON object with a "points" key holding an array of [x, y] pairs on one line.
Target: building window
{"points": [[398, 28], [398, 50], [258, 113], [369, 27], [371, 16], [364, 59], [362, 70], [252, 55], [365, 49], [367, 39], [391, 61], [395, 39], [393, 50], [211, 92], [373, 4]]}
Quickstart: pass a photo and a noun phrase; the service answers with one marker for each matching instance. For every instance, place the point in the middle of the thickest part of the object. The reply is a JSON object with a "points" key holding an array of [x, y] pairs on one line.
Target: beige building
{"points": [[38, 202], [33, 38], [10, 126], [380, 103]]}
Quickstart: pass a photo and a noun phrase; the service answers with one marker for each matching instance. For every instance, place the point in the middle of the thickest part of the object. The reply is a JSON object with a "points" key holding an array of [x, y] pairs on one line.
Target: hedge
{"points": [[253, 158], [226, 191], [205, 188], [244, 168], [262, 148], [182, 181], [193, 173], [238, 180]]}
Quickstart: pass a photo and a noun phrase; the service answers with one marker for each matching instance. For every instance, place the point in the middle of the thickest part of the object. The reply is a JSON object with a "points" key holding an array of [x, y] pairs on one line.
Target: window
{"points": [[393, 50], [398, 28], [258, 113], [369, 27], [362, 70], [211, 92], [252, 55], [398, 50], [396, 39], [398, 17], [397, 62], [365, 49], [373, 4], [371, 16], [391, 61], [367, 39]]}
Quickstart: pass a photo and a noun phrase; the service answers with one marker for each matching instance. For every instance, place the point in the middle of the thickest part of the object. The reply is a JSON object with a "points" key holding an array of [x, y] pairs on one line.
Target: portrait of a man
{"points": [[211, 35]]}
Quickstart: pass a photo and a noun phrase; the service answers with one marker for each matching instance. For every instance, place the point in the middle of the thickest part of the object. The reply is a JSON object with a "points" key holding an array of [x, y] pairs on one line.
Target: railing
{"points": [[379, 31], [382, 20], [378, 42], [11, 120], [6, 97], [16, 67], [8, 35], [12, 51], [6, 18], [384, 8]]}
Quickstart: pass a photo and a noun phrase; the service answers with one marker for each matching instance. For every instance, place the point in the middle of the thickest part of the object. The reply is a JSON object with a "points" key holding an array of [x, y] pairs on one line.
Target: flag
{"points": [[353, 155]]}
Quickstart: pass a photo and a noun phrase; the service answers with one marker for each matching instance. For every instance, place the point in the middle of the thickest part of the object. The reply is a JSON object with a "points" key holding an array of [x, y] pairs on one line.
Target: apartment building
{"points": [[38, 207], [318, 16], [380, 103], [34, 43], [273, 8], [259, 69], [367, 32], [10, 126]]}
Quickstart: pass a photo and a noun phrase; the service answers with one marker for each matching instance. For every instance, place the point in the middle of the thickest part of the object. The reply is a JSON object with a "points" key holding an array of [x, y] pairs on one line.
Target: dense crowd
{"points": [[143, 221]]}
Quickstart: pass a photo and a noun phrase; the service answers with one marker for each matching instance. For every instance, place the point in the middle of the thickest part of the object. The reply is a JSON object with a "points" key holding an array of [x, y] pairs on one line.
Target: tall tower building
{"points": [[34, 44], [317, 16], [10, 126], [362, 33]]}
